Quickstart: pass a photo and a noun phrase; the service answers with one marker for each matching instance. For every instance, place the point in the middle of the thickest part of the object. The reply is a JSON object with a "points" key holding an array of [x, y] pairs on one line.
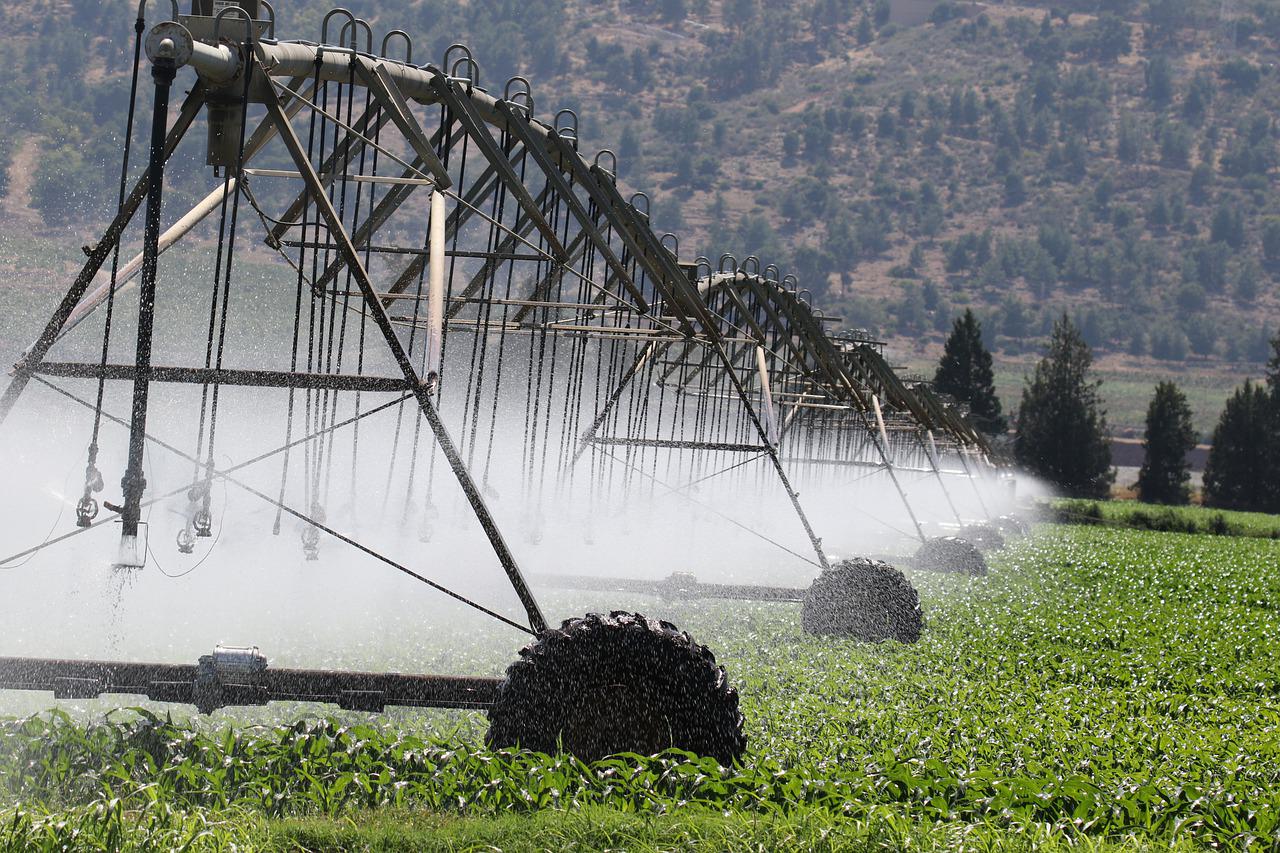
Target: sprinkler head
{"points": [[86, 511], [311, 544], [203, 523]]}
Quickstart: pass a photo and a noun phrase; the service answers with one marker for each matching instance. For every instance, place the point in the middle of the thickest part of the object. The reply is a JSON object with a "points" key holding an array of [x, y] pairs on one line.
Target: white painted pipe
{"points": [[766, 394], [127, 273], [933, 449], [884, 434], [217, 63], [435, 291]]}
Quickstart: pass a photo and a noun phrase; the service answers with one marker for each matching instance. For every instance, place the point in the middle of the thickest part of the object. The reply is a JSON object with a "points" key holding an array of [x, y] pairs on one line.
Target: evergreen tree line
{"points": [[1060, 431], [1243, 471]]}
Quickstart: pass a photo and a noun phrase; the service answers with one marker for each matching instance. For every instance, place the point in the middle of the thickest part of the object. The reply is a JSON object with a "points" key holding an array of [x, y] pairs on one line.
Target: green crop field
{"points": [[1101, 687]]}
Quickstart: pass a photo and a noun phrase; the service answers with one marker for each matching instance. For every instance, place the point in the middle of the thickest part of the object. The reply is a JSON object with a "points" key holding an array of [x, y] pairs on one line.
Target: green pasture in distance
{"points": [[1101, 687], [1172, 519]]}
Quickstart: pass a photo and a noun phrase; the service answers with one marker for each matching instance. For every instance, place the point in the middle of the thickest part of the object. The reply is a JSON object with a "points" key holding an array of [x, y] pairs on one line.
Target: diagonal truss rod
{"points": [[421, 391], [25, 367], [226, 476]]}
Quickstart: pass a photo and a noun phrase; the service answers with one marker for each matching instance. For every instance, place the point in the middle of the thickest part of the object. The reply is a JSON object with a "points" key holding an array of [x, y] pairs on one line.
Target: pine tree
{"points": [[1240, 473], [865, 31], [1273, 369], [1165, 470], [1061, 428], [965, 373]]}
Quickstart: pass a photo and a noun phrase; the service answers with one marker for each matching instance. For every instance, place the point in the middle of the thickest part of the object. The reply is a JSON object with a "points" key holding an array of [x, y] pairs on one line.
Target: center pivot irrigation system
{"points": [[448, 255]]}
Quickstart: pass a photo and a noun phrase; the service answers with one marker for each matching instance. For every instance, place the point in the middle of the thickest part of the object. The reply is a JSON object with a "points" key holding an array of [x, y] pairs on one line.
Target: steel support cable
{"points": [[558, 213], [458, 198], [87, 508], [364, 313], [334, 362], [238, 467], [545, 367], [585, 343], [743, 463], [315, 523], [676, 425], [573, 394], [727, 518], [596, 483], [635, 403], [447, 141], [322, 344], [211, 334], [530, 419], [658, 420], [615, 373], [334, 349], [207, 497], [563, 213], [531, 422], [644, 422], [222, 248], [502, 344], [444, 133], [484, 314], [318, 127], [278, 246], [297, 315], [406, 366]]}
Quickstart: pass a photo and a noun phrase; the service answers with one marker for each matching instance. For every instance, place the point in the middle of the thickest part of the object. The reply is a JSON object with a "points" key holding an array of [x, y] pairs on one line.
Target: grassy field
{"points": [[1182, 519], [1127, 384], [1101, 687]]}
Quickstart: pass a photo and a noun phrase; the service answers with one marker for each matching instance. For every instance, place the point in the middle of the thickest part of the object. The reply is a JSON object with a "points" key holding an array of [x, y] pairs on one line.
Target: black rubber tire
{"points": [[950, 554], [984, 537], [1011, 525], [601, 685], [864, 599]]}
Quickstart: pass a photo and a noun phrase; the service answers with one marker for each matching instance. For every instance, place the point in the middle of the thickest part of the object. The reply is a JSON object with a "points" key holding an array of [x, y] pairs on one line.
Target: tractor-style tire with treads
{"points": [[1012, 525], [983, 536], [863, 599], [952, 555], [600, 685]]}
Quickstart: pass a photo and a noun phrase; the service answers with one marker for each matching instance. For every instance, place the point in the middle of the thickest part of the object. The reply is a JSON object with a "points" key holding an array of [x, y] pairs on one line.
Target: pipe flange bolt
{"points": [[171, 41]]}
